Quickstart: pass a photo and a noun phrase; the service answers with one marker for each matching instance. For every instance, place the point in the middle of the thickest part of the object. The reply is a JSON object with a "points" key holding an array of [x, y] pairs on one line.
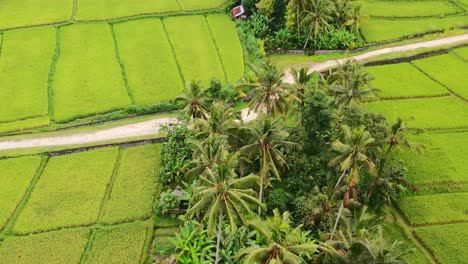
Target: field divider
{"points": [[110, 186], [122, 67], [89, 245], [414, 97], [462, 12], [426, 247], [218, 52], [148, 243], [8, 228], [407, 229], [179, 5], [174, 55], [1, 44], [451, 222], [50, 80], [443, 85], [74, 10]]}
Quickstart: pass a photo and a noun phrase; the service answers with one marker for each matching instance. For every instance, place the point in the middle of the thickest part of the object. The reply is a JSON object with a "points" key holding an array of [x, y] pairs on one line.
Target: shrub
{"points": [[335, 39], [167, 204], [278, 199]]}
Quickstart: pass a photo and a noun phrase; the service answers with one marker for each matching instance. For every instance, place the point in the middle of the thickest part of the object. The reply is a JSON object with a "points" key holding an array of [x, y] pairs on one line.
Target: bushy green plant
{"points": [[334, 38], [278, 199], [175, 153], [193, 245], [253, 47], [167, 204]]}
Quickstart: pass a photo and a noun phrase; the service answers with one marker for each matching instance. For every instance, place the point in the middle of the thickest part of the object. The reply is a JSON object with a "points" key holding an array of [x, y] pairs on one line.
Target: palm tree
{"points": [[221, 193], [317, 15], [194, 100], [299, 5], [355, 19], [282, 243], [398, 139], [219, 121], [342, 11], [349, 84], [361, 241], [207, 154], [302, 81], [269, 94], [267, 136], [353, 156]]}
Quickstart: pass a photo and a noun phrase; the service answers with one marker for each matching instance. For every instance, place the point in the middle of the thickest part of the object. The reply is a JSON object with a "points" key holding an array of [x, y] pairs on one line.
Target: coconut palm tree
{"points": [[355, 19], [220, 194], [350, 84], [281, 242], [194, 100], [353, 156], [207, 154], [267, 136], [398, 139], [299, 6], [361, 241], [302, 82], [219, 121], [269, 94], [317, 15]]}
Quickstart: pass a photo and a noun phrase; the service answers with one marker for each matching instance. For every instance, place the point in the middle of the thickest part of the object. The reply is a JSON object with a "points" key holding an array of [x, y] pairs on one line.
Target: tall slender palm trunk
{"points": [[220, 233], [260, 195], [337, 219]]}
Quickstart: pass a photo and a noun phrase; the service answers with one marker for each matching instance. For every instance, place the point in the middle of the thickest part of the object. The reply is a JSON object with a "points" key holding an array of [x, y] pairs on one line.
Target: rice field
{"points": [[446, 242], [87, 69], [403, 80], [17, 14], [385, 30], [382, 8], [431, 94], [89, 207]]}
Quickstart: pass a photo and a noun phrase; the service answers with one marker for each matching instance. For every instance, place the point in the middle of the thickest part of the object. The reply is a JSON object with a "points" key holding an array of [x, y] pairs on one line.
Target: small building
{"points": [[238, 12]]}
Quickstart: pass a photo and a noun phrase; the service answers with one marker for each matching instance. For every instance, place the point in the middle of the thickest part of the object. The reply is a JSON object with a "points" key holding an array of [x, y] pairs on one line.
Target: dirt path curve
{"points": [[153, 126], [409, 47], [144, 128]]}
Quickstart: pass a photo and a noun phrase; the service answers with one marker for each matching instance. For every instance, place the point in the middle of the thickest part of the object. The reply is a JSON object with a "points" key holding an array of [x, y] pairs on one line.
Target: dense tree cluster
{"points": [[301, 182]]}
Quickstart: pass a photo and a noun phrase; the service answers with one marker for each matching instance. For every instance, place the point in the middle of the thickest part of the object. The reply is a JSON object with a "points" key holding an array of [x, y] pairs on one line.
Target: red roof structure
{"points": [[237, 11]]}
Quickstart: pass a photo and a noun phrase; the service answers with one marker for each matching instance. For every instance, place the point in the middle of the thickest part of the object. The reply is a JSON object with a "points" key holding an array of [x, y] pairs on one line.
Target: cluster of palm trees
{"points": [[234, 161], [318, 15]]}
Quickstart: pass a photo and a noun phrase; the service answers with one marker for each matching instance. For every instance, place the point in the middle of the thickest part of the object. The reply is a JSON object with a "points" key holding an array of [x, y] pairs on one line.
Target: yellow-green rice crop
{"points": [[25, 62], [435, 208], [151, 70], [88, 78], [404, 80], [15, 177], [462, 52], [20, 125], [62, 246], [449, 70], [408, 8], [200, 4], [134, 188], [119, 244], [444, 112], [194, 47], [446, 242], [69, 192], [14, 13], [229, 46]]}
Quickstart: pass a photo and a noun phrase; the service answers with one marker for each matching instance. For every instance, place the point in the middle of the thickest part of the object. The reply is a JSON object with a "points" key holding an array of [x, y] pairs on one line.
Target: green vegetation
{"points": [[201, 51], [15, 177], [443, 161], [146, 54], [133, 190], [403, 80], [448, 70], [433, 113], [85, 51], [447, 242], [395, 232], [462, 52], [32, 12], [408, 8], [435, 208], [382, 30], [200, 4], [107, 9], [69, 192], [26, 56], [227, 42], [62, 246], [119, 244], [25, 124]]}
